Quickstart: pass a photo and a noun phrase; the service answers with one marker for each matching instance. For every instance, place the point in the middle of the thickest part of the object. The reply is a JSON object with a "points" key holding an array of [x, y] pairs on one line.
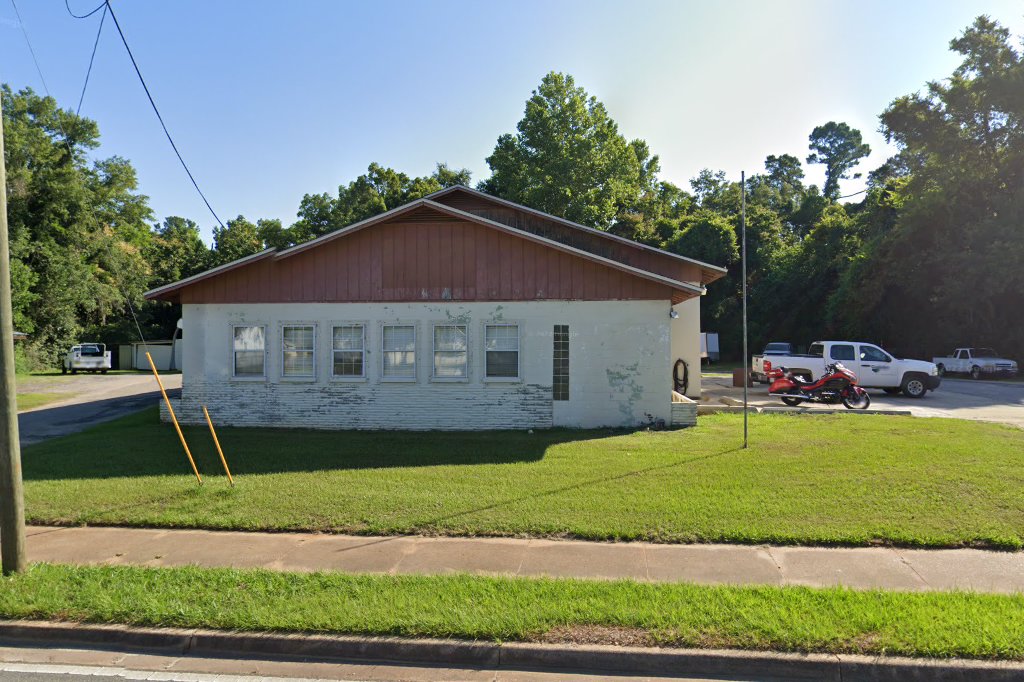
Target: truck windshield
{"points": [[92, 350], [985, 353]]}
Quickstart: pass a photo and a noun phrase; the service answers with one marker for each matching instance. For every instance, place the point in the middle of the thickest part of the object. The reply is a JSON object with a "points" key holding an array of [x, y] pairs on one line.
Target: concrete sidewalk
{"points": [[863, 568]]}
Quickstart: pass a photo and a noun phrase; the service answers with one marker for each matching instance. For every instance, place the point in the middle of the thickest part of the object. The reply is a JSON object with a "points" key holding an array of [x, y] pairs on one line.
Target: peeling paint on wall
{"points": [[625, 389]]}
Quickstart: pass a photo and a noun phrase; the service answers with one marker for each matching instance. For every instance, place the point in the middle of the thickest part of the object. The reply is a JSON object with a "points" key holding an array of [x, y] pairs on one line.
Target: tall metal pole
{"points": [[12, 503], [746, 355]]}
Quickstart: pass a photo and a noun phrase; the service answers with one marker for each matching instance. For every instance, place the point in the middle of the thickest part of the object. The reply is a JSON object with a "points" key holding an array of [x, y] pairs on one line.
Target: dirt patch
{"points": [[597, 634]]}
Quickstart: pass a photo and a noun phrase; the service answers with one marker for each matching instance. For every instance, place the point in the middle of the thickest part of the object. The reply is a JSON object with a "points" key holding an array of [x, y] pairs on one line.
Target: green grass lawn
{"points": [[28, 401], [466, 607], [841, 479]]}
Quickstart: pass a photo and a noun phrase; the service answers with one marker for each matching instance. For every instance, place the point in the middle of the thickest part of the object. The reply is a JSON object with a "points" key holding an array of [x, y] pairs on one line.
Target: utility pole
{"points": [[12, 502], [746, 355]]}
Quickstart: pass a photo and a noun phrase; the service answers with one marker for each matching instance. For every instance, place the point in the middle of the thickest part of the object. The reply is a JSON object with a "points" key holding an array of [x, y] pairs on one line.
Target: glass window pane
{"points": [[399, 337], [249, 363], [502, 363], [842, 352], [399, 345], [298, 363], [399, 364], [450, 337], [450, 363], [502, 337], [348, 363], [249, 338], [348, 337], [297, 338]]}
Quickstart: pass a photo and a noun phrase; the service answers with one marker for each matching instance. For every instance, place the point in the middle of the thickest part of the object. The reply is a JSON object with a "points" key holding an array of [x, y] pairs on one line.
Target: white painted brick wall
{"points": [[620, 368]]}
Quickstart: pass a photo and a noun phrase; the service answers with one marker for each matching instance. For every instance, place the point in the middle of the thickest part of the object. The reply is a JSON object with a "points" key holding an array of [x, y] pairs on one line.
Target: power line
{"points": [[847, 196], [93, 57], [39, 70], [157, 111], [84, 16]]}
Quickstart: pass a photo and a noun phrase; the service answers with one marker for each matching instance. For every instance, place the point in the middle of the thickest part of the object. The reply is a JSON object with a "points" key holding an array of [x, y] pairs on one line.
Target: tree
{"points": [[380, 189], [237, 239], [78, 231], [839, 147], [568, 158]]}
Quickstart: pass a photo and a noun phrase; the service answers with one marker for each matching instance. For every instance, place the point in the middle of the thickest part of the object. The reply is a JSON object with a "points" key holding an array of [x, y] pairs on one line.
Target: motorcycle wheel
{"points": [[855, 401], [792, 402]]}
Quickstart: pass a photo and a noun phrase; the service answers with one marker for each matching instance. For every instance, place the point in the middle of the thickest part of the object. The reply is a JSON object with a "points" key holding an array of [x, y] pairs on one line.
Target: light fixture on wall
{"points": [[673, 314]]}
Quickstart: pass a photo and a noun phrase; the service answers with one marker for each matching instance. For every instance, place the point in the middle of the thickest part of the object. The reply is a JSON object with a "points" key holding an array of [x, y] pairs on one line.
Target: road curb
{"points": [[511, 655]]}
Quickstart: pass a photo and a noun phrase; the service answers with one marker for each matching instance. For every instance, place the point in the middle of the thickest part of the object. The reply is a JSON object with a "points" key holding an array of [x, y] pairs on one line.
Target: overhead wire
{"points": [[92, 58], [42, 78], [152, 103], [84, 16]]}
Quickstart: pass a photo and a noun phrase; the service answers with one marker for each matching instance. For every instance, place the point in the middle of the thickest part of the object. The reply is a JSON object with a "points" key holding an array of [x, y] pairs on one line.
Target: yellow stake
{"points": [[217, 443], [174, 419]]}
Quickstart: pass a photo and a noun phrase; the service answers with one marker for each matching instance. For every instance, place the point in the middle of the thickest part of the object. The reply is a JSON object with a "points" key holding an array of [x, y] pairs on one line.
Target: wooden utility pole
{"points": [[12, 503]]}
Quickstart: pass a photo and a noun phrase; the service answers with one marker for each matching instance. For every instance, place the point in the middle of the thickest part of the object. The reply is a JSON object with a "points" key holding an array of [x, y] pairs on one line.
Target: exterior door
{"points": [[875, 367]]}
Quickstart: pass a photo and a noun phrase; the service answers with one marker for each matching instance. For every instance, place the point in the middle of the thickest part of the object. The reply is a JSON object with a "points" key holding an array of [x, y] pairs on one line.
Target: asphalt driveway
{"points": [[993, 401], [94, 398]]}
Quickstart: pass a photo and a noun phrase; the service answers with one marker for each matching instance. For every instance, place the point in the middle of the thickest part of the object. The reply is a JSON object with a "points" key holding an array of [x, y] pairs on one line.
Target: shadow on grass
{"points": [[139, 445]]}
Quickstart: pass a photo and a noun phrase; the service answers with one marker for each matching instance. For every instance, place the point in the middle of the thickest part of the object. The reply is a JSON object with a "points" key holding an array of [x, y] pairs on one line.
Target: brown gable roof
{"points": [[580, 236], [359, 273]]}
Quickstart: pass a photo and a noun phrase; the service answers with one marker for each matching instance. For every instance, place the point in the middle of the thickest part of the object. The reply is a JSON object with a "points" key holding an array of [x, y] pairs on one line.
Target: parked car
{"points": [[977, 362], [86, 357], [757, 371], [874, 367]]}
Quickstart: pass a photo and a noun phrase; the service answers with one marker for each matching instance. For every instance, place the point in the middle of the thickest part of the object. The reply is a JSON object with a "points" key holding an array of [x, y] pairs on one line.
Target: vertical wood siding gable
{"points": [[417, 259]]}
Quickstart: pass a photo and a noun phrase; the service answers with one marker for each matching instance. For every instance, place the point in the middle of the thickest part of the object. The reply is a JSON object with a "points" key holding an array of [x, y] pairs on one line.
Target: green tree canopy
{"points": [[839, 147], [568, 158]]}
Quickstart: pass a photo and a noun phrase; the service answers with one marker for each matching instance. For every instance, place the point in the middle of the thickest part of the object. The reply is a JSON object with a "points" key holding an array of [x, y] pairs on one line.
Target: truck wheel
{"points": [[103, 371], [914, 386], [63, 369], [975, 372], [942, 369], [74, 371]]}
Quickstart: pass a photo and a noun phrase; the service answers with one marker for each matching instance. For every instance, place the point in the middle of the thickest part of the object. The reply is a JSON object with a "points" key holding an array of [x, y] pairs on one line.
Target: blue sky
{"points": [[268, 101]]}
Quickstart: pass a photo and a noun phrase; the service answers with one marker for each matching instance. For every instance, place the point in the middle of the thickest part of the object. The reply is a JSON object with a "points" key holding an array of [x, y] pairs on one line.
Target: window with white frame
{"points": [[501, 350], [450, 351], [298, 350], [248, 347], [349, 349], [398, 343]]}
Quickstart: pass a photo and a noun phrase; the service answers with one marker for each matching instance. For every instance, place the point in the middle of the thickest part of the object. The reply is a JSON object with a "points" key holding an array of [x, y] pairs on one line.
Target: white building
{"points": [[456, 311]]}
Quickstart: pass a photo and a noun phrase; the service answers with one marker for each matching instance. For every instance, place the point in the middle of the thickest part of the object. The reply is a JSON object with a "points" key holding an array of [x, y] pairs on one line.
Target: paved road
{"points": [[99, 398], [994, 401]]}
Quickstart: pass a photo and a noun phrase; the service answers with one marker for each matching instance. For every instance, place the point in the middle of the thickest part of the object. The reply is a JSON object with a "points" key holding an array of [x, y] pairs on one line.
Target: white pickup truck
{"points": [[976, 362], [86, 357], [874, 367]]}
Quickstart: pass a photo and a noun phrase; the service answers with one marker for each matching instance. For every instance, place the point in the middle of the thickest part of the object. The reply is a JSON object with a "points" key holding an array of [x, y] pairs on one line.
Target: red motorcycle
{"points": [[837, 384]]}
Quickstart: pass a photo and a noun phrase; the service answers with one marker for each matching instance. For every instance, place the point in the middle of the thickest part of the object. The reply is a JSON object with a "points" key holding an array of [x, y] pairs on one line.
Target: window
{"points": [[560, 371], [450, 351], [842, 352], [248, 345], [297, 350], [501, 350], [399, 346], [817, 350], [872, 354], [349, 349]]}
